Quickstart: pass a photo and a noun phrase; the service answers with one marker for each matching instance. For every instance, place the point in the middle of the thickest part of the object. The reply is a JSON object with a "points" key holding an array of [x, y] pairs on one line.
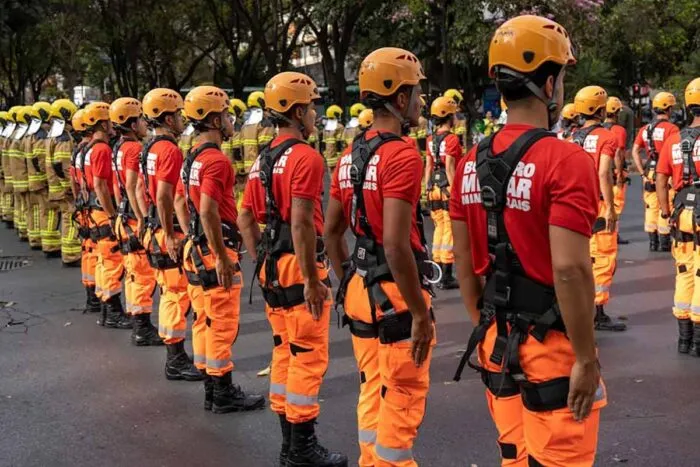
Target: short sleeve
{"points": [[664, 166], [621, 138], [573, 187], [132, 158], [169, 167], [452, 147], [307, 177], [247, 201], [214, 177], [180, 188], [335, 184], [401, 176], [609, 147], [101, 161], [457, 210], [639, 140]]}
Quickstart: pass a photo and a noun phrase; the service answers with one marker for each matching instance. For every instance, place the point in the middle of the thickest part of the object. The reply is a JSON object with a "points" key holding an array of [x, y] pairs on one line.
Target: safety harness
{"points": [[652, 159], [157, 258], [132, 243], [438, 178], [90, 202], [579, 138], [81, 207], [277, 237], [369, 259], [689, 196], [206, 278], [609, 126], [520, 306]]}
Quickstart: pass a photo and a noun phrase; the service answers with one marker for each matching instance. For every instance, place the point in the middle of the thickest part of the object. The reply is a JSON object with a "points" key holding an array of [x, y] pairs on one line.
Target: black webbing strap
{"points": [[581, 134], [651, 148], [144, 162], [689, 137]]}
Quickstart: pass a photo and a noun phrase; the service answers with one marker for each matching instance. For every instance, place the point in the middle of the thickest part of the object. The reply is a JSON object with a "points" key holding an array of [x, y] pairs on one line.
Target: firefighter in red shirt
{"points": [[208, 179], [88, 259], [680, 160], [651, 138], [385, 293], [126, 114], [613, 107], [439, 175], [569, 122], [161, 162], [602, 145], [523, 206], [97, 169], [284, 192]]}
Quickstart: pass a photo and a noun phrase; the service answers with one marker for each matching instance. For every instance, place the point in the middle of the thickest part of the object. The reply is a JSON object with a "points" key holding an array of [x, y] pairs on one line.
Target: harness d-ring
{"points": [[439, 270]]}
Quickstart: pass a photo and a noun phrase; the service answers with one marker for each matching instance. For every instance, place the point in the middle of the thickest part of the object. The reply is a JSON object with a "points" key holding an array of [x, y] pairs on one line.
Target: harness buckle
{"points": [[355, 175], [489, 197]]}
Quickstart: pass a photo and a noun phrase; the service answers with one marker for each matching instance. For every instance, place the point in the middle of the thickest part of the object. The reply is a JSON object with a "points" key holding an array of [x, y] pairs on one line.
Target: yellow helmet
{"points": [[455, 95], [78, 121], [203, 100], [366, 118], [44, 110], [613, 105], [663, 101], [158, 101], [569, 112], [384, 71], [123, 109], [95, 113], [287, 89], [63, 109], [12, 113], [590, 99], [237, 107], [334, 111], [256, 99], [356, 109], [443, 106], [692, 93], [29, 112]]}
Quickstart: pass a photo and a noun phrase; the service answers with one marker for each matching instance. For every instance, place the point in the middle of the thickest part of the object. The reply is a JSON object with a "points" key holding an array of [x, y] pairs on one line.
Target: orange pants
{"points": [[140, 278], [619, 193], [300, 352], [393, 391], [174, 301], [552, 438], [604, 259], [442, 236], [652, 215], [685, 304], [218, 319], [110, 262], [88, 262]]}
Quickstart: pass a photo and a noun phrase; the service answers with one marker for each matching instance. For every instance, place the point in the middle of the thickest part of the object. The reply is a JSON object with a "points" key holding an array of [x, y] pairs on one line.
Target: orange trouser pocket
{"points": [[393, 390], [199, 326], [139, 283], [683, 254], [110, 262], [652, 213], [174, 301], [604, 258], [507, 413], [88, 263], [619, 193], [442, 235]]}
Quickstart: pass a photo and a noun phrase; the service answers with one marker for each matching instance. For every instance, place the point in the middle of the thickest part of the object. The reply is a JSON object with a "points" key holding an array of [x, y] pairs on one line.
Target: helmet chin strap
{"points": [[552, 107], [405, 123], [298, 125]]}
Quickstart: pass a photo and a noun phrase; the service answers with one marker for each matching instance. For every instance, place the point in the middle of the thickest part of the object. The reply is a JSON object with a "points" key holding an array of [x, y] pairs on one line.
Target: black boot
{"points": [[620, 241], [114, 314], [685, 335], [664, 243], [448, 281], [92, 304], [208, 390], [52, 254], [695, 344], [229, 397], [653, 241], [145, 333], [9, 224], [72, 264], [286, 439], [178, 364], [305, 451], [603, 322]]}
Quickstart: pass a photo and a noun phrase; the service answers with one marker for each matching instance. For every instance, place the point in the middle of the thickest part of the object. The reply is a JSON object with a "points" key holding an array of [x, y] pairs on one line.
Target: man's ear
{"points": [[549, 86]]}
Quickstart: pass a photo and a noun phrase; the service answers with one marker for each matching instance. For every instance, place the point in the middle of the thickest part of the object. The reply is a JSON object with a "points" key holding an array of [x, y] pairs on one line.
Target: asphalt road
{"points": [[75, 394]]}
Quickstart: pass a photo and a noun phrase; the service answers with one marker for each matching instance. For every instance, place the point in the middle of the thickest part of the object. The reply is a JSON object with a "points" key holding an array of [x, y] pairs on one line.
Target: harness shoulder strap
{"points": [[268, 158], [362, 151], [144, 161], [689, 137], [581, 134], [437, 142], [651, 148], [84, 154], [115, 166], [186, 173]]}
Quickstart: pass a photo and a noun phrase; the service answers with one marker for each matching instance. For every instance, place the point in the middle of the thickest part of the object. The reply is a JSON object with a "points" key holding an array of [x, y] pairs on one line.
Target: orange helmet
{"points": [[443, 106], [569, 112], [95, 113], [203, 100], [123, 109], [663, 101], [78, 122], [161, 100], [366, 118], [526, 42], [692, 93], [385, 70], [286, 89], [590, 99], [613, 105]]}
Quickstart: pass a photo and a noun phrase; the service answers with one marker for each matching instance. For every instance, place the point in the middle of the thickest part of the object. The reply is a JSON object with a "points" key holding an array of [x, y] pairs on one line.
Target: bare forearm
{"points": [[165, 206], [141, 198], [131, 194], [211, 224], [574, 289], [662, 192], [102, 192], [304, 237], [450, 169], [182, 214], [470, 287], [636, 156], [250, 231], [337, 250], [606, 187], [402, 265]]}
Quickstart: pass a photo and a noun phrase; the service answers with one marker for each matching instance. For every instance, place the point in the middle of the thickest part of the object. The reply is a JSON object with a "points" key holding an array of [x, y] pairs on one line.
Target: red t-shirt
{"points": [[128, 158], [555, 183], [411, 141], [212, 174], [76, 169], [620, 135], [395, 171], [164, 163], [98, 163], [297, 174], [671, 160], [661, 133], [600, 142], [450, 147]]}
